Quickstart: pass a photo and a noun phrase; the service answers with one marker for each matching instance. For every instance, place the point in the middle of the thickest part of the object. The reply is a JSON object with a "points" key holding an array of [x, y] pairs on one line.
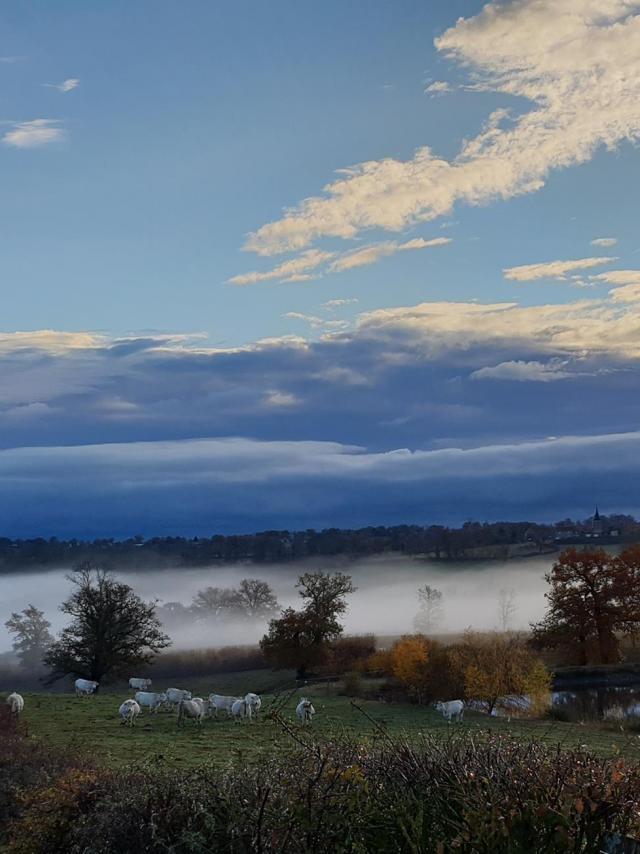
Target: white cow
{"points": [[193, 709], [129, 711], [151, 701], [305, 711], [255, 702], [452, 710], [139, 684], [218, 702], [176, 695], [241, 710], [85, 687], [15, 702]]}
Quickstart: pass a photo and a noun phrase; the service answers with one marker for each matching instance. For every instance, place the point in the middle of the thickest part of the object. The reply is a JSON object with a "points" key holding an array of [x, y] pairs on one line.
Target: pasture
{"points": [[90, 725]]}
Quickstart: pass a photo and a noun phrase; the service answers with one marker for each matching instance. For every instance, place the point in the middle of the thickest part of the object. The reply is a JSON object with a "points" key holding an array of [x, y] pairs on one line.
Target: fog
{"points": [[385, 602]]}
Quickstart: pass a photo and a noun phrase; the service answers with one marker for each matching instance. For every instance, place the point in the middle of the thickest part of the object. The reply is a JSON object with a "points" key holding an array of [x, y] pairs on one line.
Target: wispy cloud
{"points": [[318, 322], [296, 269], [34, 134], [552, 269], [290, 271], [66, 86], [604, 242], [439, 87], [333, 304], [10, 60], [574, 61], [521, 371], [375, 251]]}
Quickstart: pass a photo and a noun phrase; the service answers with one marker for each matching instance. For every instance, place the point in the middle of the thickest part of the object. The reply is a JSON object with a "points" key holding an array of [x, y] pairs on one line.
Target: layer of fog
{"points": [[385, 602]]}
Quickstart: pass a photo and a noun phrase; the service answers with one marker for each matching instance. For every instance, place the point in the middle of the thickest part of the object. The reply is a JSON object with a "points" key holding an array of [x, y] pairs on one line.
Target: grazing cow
{"points": [[452, 710], [193, 709], [255, 702], [241, 710], [85, 687], [139, 684], [151, 701], [129, 711], [176, 695], [218, 702], [16, 704], [305, 711]]}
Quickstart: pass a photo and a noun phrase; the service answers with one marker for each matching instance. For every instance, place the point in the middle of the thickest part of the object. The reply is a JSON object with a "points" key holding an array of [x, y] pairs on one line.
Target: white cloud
{"points": [[439, 87], [318, 322], [585, 326], [375, 251], [280, 399], [521, 371], [552, 269], [604, 241], [10, 60], [627, 282], [34, 134], [294, 270], [66, 85], [574, 61], [333, 304]]}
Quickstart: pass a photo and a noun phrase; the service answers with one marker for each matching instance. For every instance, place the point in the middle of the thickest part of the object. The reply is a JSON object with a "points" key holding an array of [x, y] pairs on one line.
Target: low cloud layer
{"points": [[202, 486], [431, 412]]}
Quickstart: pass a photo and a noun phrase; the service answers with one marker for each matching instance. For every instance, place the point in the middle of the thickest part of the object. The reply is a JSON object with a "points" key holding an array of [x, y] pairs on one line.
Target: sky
{"points": [[296, 265]]}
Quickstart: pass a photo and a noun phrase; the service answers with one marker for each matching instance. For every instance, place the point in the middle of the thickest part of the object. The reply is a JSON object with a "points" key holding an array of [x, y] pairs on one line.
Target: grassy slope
{"points": [[91, 725]]}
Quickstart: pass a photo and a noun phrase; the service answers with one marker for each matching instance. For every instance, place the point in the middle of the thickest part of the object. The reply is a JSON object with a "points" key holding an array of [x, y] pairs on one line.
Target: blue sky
{"points": [[375, 225]]}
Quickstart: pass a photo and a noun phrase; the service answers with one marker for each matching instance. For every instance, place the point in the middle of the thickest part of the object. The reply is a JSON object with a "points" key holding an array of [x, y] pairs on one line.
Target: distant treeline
{"points": [[436, 541]]}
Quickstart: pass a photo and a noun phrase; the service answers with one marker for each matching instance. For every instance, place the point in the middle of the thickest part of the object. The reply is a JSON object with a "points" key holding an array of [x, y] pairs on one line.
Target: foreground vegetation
{"points": [[433, 789]]}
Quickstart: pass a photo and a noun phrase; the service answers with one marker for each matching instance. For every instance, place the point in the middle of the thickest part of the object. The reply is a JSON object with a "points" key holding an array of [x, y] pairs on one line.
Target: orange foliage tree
{"points": [[593, 601], [495, 665], [409, 657]]}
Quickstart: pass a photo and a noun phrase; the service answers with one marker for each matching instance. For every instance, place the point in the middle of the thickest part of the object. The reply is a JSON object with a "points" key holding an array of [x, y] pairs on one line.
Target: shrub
{"points": [[350, 653], [352, 685], [462, 794], [186, 663]]}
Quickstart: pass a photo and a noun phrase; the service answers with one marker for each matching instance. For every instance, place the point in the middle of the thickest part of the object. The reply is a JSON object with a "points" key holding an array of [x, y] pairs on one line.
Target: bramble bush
{"points": [[494, 796]]}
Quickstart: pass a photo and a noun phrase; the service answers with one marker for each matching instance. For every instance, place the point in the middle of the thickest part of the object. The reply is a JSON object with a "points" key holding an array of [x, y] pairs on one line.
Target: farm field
{"points": [[90, 725]]}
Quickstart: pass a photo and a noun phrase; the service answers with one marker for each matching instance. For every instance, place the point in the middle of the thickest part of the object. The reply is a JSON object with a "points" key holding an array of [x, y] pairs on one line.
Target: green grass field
{"points": [[90, 725]]}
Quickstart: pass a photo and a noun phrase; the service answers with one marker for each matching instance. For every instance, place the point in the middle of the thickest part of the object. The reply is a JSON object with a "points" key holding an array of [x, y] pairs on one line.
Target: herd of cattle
{"points": [[188, 707], [197, 708]]}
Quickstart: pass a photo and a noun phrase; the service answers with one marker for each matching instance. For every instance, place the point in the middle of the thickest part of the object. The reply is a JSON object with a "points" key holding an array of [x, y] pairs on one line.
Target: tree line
{"points": [[438, 541]]}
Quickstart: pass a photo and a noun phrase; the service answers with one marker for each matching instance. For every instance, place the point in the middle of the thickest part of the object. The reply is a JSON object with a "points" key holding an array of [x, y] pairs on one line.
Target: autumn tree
{"points": [[594, 600], [301, 639], [32, 637], [429, 616], [112, 631], [409, 657], [494, 665]]}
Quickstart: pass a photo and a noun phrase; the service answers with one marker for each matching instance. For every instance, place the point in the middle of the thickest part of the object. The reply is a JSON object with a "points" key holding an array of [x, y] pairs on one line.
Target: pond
{"points": [[609, 703]]}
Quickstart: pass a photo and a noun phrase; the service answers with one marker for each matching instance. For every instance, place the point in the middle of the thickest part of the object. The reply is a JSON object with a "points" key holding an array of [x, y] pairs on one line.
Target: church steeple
{"points": [[596, 515]]}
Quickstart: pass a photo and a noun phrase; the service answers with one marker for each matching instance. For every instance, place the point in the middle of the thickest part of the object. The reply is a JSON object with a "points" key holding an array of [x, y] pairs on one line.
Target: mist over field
{"points": [[385, 602]]}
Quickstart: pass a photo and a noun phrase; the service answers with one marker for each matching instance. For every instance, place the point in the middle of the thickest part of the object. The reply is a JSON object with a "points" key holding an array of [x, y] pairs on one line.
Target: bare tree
{"points": [[257, 598], [430, 615], [507, 608]]}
